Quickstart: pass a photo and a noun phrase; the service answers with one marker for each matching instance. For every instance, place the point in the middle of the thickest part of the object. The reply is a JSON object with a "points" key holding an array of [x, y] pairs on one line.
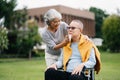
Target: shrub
{"points": [[3, 38], [111, 33]]}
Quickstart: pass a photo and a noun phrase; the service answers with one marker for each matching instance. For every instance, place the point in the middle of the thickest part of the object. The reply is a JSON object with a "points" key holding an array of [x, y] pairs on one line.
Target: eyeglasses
{"points": [[72, 28]]}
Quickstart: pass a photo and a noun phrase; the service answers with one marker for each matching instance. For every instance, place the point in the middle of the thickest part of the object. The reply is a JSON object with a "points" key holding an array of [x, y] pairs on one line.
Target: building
{"points": [[68, 15]]}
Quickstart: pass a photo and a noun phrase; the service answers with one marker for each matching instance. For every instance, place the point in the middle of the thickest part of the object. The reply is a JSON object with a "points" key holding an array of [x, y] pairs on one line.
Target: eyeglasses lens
{"points": [[71, 28]]}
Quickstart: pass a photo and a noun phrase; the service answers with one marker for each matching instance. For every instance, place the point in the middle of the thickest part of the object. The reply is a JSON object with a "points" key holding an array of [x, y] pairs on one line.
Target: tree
{"points": [[22, 41], [27, 39], [111, 33], [7, 10], [18, 20], [99, 17]]}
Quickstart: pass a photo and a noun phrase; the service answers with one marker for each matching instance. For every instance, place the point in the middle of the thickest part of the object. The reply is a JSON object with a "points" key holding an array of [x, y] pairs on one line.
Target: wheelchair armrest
{"points": [[60, 69]]}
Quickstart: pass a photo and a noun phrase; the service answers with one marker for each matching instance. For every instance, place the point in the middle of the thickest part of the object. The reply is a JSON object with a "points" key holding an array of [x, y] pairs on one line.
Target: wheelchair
{"points": [[89, 73]]}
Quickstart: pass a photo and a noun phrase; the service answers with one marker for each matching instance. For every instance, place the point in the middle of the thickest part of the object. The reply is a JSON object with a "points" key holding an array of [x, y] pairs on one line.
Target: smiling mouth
{"points": [[56, 27]]}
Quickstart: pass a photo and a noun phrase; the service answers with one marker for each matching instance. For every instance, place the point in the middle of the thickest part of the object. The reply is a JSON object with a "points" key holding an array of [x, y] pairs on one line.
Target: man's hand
{"points": [[78, 69]]}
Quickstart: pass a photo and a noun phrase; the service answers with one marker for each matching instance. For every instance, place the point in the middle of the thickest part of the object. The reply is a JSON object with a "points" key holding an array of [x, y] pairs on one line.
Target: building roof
{"points": [[64, 10]]}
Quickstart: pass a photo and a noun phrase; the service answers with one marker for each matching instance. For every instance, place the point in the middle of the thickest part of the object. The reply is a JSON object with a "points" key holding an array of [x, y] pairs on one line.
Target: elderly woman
{"points": [[54, 35]]}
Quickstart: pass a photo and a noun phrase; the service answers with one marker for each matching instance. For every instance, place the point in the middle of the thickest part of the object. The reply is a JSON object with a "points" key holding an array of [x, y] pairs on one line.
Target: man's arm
{"points": [[92, 60]]}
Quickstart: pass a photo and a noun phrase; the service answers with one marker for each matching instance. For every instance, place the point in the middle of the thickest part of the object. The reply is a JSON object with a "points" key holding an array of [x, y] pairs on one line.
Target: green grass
{"points": [[110, 67], [24, 69]]}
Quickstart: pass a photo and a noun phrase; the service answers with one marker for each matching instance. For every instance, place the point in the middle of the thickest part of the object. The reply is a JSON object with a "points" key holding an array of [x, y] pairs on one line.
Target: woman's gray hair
{"points": [[51, 14]]}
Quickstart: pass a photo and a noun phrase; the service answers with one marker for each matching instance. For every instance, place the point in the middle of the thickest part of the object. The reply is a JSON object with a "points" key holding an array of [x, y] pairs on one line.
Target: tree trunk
{"points": [[30, 55]]}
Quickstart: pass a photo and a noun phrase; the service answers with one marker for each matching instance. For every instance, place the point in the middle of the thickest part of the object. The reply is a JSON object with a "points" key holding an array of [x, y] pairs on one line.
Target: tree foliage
{"points": [[111, 33], [99, 17], [27, 39], [7, 10], [21, 38]]}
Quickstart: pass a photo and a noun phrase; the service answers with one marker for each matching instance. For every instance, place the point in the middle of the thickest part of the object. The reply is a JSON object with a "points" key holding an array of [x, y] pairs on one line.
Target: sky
{"points": [[110, 6]]}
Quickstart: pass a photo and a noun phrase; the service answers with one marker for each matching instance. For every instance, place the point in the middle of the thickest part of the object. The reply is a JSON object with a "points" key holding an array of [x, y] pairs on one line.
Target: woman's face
{"points": [[55, 23]]}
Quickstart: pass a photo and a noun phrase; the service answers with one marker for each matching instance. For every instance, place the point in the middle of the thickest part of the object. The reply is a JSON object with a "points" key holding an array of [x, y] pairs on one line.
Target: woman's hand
{"points": [[63, 43], [87, 38], [66, 40], [52, 66]]}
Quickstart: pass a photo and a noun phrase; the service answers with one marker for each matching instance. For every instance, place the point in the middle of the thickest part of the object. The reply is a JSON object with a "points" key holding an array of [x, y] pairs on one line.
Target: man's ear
{"points": [[81, 30]]}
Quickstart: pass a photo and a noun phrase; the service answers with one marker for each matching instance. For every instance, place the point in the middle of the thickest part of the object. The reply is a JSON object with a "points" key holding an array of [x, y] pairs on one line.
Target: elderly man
{"points": [[77, 55]]}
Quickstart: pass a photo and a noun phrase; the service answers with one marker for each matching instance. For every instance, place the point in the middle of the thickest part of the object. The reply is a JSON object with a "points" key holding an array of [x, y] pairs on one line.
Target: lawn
{"points": [[110, 66], [24, 69]]}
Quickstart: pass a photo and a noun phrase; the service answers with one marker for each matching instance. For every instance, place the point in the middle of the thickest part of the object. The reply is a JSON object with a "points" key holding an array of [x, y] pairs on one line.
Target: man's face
{"points": [[74, 29]]}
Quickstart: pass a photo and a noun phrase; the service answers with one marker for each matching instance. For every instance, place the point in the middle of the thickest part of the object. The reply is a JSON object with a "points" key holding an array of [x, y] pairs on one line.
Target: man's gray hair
{"points": [[51, 14], [80, 23]]}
